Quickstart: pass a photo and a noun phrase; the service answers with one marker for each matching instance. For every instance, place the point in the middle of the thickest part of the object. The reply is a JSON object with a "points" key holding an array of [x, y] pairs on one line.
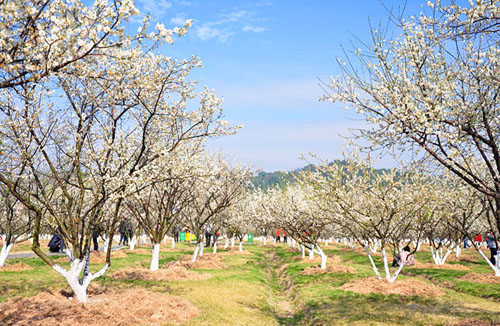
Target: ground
{"points": [[271, 286]]}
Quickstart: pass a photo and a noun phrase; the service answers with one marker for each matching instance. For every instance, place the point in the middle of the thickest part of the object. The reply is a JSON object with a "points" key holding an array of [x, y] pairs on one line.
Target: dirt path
{"points": [[281, 285]]}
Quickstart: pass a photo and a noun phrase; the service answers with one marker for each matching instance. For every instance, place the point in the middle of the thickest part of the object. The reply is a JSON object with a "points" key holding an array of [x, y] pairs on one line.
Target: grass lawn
{"points": [[265, 286]]}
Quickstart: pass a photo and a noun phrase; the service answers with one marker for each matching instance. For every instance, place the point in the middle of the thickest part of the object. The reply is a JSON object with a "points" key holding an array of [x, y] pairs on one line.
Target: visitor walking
{"points": [[123, 233], [278, 232], [493, 245], [176, 233]]}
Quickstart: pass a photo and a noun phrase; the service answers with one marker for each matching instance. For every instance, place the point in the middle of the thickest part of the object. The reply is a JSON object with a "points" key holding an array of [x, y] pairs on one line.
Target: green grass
{"points": [[266, 287]]}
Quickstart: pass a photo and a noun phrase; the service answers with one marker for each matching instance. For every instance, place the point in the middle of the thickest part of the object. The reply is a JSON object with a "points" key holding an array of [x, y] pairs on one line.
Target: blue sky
{"points": [[266, 59]]}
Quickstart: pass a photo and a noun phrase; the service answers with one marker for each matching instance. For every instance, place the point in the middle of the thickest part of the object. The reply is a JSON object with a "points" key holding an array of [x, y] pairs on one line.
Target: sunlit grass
{"points": [[249, 290]]}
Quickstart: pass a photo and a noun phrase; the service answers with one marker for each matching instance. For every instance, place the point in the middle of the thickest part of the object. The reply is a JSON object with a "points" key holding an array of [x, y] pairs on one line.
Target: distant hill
{"points": [[266, 180]]}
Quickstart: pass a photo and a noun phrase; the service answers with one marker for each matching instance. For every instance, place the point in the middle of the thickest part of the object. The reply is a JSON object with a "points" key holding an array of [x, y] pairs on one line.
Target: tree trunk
{"points": [[458, 250], [232, 242], [226, 244], [323, 257], [311, 254], [215, 247], [132, 242], [173, 242], [155, 258], [388, 276], [495, 268], [195, 254], [5, 252], [241, 246], [72, 276], [202, 246], [265, 240], [374, 267], [303, 251]]}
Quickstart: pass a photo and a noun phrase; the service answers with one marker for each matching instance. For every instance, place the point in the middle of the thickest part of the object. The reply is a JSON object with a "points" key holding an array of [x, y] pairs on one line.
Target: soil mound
{"points": [[445, 266], [97, 257], [474, 322], [464, 258], [18, 267], [332, 259], [405, 287], [235, 251], [130, 307], [173, 273], [481, 278], [207, 261], [337, 269], [140, 251]]}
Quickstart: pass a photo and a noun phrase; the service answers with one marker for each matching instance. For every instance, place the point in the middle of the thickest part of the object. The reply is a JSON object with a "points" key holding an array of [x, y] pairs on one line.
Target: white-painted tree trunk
{"points": [[195, 254], [155, 258], [144, 239], [388, 276], [458, 250], [202, 246], [323, 257], [495, 268], [438, 256], [215, 247], [165, 239], [232, 242], [265, 240], [374, 244], [5, 252], [173, 242], [72, 276], [226, 243], [311, 254], [374, 267], [303, 251], [106, 243], [241, 246], [132, 242]]}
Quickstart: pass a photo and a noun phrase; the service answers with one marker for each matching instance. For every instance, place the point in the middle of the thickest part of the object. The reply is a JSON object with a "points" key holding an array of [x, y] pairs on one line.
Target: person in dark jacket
{"points": [[56, 244], [95, 234], [176, 233], [123, 233], [493, 245]]}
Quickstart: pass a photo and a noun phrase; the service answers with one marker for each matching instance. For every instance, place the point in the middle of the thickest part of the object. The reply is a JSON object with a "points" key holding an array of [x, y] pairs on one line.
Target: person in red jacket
{"points": [[478, 239], [278, 232], [284, 236]]}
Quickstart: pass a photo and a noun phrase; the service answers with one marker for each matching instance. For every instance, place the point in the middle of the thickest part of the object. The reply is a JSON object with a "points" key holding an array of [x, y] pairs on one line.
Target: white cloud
{"points": [[179, 20], [156, 8], [255, 29], [207, 32], [227, 25]]}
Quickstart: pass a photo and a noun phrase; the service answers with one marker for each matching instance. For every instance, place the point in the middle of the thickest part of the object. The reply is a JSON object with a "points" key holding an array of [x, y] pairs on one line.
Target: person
{"points": [[407, 258], [176, 233], [493, 245], [466, 243], [95, 234], [478, 239], [56, 244], [284, 237], [123, 233], [208, 235], [129, 229], [278, 239]]}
